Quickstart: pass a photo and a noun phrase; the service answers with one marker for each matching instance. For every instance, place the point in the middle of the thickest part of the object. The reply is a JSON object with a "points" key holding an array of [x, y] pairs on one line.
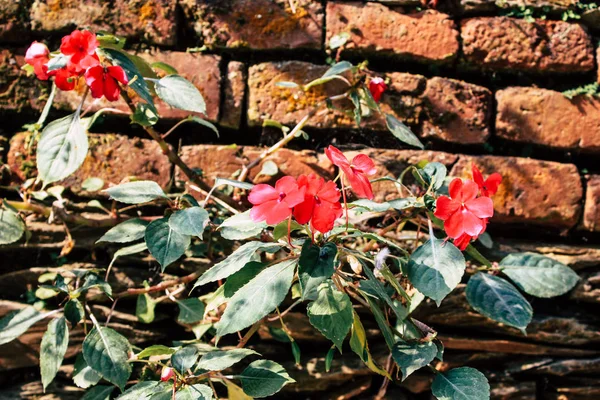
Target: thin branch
{"points": [[159, 287], [249, 334]]}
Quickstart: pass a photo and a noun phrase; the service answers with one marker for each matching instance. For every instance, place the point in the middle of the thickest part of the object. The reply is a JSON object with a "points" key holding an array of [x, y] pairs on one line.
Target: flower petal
{"points": [[492, 183], [462, 222], [445, 207], [482, 207], [361, 185], [455, 187], [364, 163], [303, 212], [278, 212], [337, 157], [111, 88], [262, 193], [324, 216], [477, 176], [261, 212], [119, 74]]}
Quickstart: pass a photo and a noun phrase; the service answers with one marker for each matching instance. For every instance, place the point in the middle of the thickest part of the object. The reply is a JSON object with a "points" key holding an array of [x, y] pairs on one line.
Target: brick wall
{"points": [[475, 85]]}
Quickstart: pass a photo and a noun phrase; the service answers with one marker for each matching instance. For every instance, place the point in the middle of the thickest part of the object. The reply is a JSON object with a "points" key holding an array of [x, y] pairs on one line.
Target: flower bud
{"points": [[167, 374]]}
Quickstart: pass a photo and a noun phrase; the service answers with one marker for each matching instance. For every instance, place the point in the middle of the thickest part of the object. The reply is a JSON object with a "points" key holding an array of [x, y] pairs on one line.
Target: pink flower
{"points": [[37, 56], [166, 374], [103, 81], [274, 204], [462, 212], [357, 172]]}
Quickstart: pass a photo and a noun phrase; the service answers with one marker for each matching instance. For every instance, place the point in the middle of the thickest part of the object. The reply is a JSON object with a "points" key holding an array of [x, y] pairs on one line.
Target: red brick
{"points": [[113, 158], [14, 25], [548, 118], [151, 20], [391, 163], [591, 212], [457, 111], [256, 24], [534, 192], [235, 89], [202, 70], [225, 161], [502, 43], [19, 94], [443, 108], [376, 29]]}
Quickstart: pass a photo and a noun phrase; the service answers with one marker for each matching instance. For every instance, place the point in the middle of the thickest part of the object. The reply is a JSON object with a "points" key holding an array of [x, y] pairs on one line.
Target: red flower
{"points": [[166, 374], [462, 212], [37, 56], [103, 81], [81, 46], [489, 186], [463, 241], [275, 204], [65, 78], [377, 86], [356, 172], [321, 205]]}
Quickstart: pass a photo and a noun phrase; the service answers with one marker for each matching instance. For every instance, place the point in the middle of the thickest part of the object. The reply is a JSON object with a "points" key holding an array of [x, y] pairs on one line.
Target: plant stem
{"points": [[253, 329], [175, 159], [159, 287]]}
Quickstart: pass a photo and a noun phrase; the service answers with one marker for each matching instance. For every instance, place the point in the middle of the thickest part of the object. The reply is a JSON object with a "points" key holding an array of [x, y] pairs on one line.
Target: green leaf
{"points": [[155, 350], [538, 275], [92, 184], [94, 281], [315, 266], [257, 298], [180, 93], [269, 168], [53, 348], [203, 122], [137, 81], [190, 310], [338, 40], [164, 243], [370, 205], [101, 392], [190, 221], [287, 84], [434, 174], [337, 69], [219, 360], [144, 308], [411, 356], [195, 392], [74, 311], [185, 358], [436, 268], [241, 226], [264, 378], [461, 384], [329, 358], [16, 323], [144, 115], [382, 322], [11, 227], [143, 390], [281, 229], [497, 299], [57, 62], [243, 276], [107, 40], [107, 352], [62, 148], [402, 132], [234, 183], [331, 313], [169, 69], [136, 192], [83, 375], [359, 345], [129, 250], [127, 231], [236, 261]]}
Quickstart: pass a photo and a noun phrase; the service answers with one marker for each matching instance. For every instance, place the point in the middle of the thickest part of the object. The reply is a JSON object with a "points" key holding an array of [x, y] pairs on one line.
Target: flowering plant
{"points": [[324, 244]]}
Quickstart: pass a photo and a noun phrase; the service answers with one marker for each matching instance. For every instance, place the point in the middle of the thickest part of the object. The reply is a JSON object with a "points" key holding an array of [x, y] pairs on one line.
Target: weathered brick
{"points": [[375, 29], [591, 212], [224, 161], [257, 24], [548, 118], [202, 70], [457, 111], [14, 21], [391, 163], [439, 107], [235, 90], [503, 43], [534, 192], [549, 6], [113, 158], [154, 21], [20, 94]]}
